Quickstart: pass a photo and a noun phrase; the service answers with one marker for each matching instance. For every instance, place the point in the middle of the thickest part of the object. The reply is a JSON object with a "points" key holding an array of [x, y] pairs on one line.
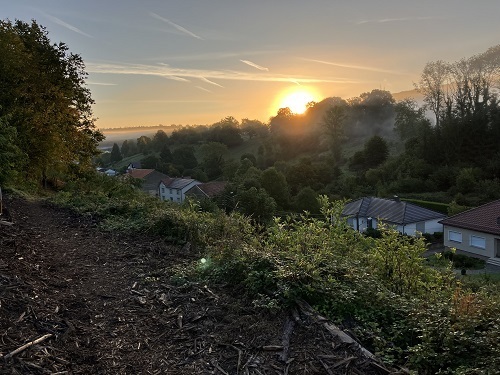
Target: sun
{"points": [[297, 100]]}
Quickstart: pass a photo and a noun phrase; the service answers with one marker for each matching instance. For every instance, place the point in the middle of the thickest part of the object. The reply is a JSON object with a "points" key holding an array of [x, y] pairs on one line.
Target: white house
{"points": [[476, 231], [406, 217], [174, 189]]}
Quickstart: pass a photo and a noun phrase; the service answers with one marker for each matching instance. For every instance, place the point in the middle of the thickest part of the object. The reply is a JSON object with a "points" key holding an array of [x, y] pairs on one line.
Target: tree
{"points": [[144, 144], [275, 184], [410, 119], [249, 156], [307, 200], [160, 139], [432, 85], [116, 155], [184, 156], [376, 151], [150, 162], [129, 148], [256, 203], [334, 122], [44, 95], [10, 154], [253, 128], [166, 154], [213, 158], [225, 131]]}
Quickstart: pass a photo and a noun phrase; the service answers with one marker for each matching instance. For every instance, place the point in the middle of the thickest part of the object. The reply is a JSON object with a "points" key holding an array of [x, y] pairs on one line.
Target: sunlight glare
{"points": [[297, 101]]}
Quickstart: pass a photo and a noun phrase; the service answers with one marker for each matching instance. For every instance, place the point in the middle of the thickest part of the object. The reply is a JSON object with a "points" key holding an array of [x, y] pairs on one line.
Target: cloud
{"points": [[67, 25], [166, 71], [178, 27], [401, 19], [100, 83], [211, 82], [252, 64], [359, 67], [180, 79], [217, 55], [203, 89]]}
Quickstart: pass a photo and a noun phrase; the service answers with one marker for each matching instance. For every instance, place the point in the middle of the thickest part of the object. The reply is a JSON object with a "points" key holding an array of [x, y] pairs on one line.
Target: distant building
{"points": [[174, 189], [476, 231], [134, 165], [407, 218], [208, 190], [150, 179]]}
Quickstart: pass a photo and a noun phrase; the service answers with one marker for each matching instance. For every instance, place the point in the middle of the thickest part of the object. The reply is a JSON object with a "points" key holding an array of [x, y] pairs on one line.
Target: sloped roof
{"points": [[140, 173], [390, 210], [177, 183], [208, 189], [485, 218], [135, 165]]}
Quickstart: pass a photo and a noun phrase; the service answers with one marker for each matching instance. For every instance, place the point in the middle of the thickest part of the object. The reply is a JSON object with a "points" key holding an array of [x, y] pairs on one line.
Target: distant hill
{"points": [[412, 94]]}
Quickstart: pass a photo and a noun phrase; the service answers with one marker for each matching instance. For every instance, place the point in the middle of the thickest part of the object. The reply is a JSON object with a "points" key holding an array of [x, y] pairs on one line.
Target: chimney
{"points": [[396, 198]]}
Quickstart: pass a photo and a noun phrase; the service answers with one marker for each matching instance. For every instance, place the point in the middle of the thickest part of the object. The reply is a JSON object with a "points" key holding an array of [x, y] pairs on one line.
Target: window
{"points": [[454, 236], [163, 190], [170, 191], [476, 241], [178, 192]]}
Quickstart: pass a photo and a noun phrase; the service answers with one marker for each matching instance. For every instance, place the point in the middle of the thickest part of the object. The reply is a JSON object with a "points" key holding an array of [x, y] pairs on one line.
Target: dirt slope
{"points": [[114, 304]]}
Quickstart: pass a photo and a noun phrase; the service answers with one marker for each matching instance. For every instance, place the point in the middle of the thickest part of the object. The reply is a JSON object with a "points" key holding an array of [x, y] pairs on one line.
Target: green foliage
{"points": [[454, 208], [276, 186], [46, 101], [212, 154], [116, 154], [11, 155], [464, 261], [184, 156], [256, 203], [307, 200], [381, 288]]}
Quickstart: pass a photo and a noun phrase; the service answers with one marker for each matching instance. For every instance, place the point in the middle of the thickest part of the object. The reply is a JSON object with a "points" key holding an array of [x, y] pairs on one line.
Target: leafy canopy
{"points": [[46, 101]]}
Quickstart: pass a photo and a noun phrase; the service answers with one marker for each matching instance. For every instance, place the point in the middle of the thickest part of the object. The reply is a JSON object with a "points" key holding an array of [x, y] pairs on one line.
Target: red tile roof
{"points": [[485, 218], [139, 173]]}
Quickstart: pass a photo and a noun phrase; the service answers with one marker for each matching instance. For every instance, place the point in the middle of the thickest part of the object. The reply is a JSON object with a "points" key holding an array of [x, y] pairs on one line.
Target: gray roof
{"points": [[177, 183], [390, 210]]}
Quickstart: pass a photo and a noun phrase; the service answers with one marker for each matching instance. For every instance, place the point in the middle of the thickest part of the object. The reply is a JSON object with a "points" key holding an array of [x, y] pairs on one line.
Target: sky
{"points": [[189, 62]]}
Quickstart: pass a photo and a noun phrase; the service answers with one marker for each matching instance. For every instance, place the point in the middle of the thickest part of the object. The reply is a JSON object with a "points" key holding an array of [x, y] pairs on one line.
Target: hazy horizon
{"points": [[167, 62]]}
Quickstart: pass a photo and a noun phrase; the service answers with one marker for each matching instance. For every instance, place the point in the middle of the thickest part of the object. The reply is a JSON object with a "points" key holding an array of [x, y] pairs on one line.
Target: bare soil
{"points": [[108, 303]]}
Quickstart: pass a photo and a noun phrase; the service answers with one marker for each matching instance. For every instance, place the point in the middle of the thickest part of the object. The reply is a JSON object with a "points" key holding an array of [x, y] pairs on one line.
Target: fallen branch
{"points": [[287, 332], [334, 330], [26, 346]]}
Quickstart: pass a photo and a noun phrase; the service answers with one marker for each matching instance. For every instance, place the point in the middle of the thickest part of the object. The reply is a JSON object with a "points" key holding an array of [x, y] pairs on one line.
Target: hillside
{"points": [[108, 304]]}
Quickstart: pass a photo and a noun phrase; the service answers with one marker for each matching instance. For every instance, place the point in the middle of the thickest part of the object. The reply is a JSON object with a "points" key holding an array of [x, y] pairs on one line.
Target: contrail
{"points": [[211, 82], [350, 66], [254, 65], [178, 27], [67, 25]]}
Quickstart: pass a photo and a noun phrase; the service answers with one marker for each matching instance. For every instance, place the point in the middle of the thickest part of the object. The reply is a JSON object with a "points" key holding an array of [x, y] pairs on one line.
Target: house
{"points": [[208, 190], [134, 165], [150, 179], [174, 189], [406, 217], [107, 172], [476, 231]]}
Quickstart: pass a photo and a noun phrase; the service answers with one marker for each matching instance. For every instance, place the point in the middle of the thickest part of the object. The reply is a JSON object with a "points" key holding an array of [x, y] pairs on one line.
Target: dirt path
{"points": [[115, 304]]}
